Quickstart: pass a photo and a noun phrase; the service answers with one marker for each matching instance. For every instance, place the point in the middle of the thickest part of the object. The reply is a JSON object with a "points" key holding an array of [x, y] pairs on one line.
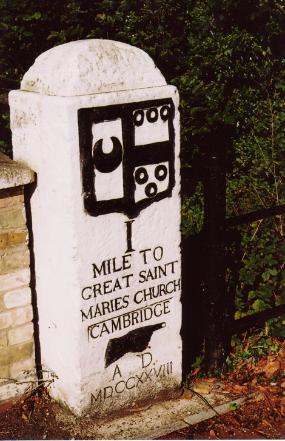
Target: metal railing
{"points": [[217, 310]]}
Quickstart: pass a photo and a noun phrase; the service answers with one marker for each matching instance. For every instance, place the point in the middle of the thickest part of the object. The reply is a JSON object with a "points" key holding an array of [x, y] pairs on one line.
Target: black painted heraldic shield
{"points": [[127, 156]]}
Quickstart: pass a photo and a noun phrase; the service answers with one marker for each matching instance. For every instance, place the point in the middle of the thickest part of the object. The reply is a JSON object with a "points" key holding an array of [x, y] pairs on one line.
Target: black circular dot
{"points": [[152, 114], [151, 190], [138, 117], [141, 175], [164, 113], [160, 172]]}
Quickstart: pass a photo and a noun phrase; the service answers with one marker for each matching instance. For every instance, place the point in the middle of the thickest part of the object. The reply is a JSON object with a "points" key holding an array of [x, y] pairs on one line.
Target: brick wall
{"points": [[17, 360]]}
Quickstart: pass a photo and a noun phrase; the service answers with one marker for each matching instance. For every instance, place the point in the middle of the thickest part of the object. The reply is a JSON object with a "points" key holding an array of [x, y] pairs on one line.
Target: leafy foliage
{"points": [[227, 58]]}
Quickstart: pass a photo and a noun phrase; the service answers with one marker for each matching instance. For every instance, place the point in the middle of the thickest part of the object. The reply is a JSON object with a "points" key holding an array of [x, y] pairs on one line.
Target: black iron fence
{"points": [[208, 299]]}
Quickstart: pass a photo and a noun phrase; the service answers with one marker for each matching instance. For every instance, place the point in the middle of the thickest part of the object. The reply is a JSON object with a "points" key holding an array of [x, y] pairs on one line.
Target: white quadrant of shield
{"points": [[108, 186], [160, 185], [151, 132]]}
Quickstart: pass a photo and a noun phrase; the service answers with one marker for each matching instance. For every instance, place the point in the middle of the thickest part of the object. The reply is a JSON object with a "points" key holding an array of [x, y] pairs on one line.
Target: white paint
{"points": [[159, 185], [151, 132], [108, 186], [91, 66], [68, 241]]}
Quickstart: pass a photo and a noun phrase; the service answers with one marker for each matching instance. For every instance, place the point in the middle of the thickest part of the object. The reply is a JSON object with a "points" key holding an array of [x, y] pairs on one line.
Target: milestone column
{"points": [[97, 122]]}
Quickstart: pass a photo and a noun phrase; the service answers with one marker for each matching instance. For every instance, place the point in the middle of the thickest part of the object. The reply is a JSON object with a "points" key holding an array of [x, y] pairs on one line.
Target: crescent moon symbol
{"points": [[107, 162]]}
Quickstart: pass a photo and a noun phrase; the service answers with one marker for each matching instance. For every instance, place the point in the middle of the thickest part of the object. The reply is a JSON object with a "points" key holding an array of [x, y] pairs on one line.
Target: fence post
{"points": [[215, 262]]}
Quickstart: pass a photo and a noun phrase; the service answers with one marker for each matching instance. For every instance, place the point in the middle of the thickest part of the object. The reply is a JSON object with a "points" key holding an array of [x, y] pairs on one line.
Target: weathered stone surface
{"points": [[4, 374], [20, 368], [91, 66], [3, 240], [21, 315], [3, 339], [13, 217], [15, 257], [13, 174], [5, 320], [109, 280], [16, 334], [2, 304], [12, 390], [17, 237], [14, 280], [8, 200], [151, 422], [12, 354], [18, 297], [20, 334]]}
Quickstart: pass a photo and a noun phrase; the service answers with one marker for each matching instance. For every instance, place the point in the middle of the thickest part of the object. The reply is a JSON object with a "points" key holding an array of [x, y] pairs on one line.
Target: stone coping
{"points": [[13, 174]]}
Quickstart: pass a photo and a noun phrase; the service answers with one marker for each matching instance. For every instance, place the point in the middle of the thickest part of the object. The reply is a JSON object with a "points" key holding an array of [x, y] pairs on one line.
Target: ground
{"points": [[262, 417], [259, 419]]}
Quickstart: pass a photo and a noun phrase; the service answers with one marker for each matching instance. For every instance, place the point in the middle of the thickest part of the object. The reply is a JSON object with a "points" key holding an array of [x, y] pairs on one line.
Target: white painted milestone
{"points": [[103, 137]]}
